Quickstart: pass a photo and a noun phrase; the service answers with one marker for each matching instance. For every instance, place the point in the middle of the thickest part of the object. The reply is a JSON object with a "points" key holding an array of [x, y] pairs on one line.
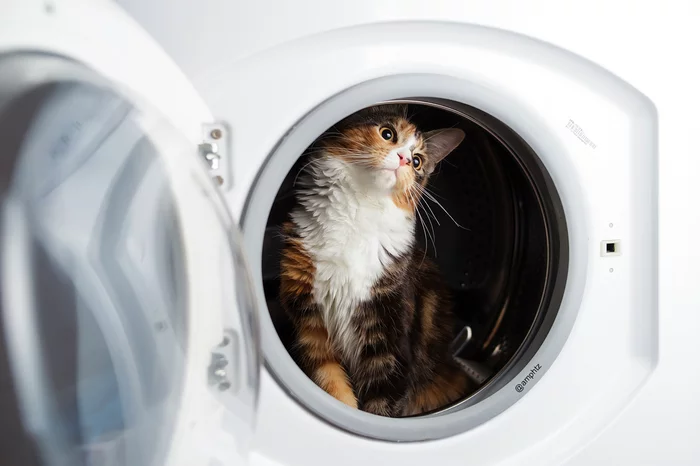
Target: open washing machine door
{"points": [[128, 332]]}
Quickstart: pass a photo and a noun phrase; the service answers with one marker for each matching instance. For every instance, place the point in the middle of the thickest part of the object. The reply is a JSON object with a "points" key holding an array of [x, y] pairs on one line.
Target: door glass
{"points": [[120, 273]]}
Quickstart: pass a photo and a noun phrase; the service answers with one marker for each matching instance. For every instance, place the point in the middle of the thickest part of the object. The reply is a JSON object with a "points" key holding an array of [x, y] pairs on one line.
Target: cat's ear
{"points": [[441, 142]]}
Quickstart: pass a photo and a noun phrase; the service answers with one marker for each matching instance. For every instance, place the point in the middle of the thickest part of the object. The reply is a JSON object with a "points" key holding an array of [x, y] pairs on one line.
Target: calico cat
{"points": [[372, 319]]}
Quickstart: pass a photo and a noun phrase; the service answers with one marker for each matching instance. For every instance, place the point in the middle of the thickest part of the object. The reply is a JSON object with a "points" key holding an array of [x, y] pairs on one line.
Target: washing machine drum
{"points": [[116, 257]]}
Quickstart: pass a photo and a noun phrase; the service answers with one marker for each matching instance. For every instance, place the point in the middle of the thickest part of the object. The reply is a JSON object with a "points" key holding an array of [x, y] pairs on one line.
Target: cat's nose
{"points": [[403, 159]]}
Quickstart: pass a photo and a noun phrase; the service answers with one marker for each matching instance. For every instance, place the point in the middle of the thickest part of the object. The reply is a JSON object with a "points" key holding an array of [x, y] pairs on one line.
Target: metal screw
{"points": [[216, 133], [610, 225], [611, 270]]}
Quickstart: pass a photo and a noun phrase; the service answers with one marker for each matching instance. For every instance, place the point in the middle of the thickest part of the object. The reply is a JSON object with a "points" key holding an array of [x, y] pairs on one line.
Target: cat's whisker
{"points": [[418, 205], [301, 170], [425, 237], [431, 211], [411, 194], [430, 235], [433, 236], [430, 197], [426, 189], [315, 151]]}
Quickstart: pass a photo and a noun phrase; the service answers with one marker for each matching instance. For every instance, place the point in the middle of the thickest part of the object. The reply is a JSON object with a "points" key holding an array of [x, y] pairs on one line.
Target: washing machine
{"points": [[566, 225]]}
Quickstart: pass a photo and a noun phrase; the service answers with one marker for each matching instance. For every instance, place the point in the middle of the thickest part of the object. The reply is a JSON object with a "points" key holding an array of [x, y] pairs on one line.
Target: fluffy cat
{"points": [[372, 319]]}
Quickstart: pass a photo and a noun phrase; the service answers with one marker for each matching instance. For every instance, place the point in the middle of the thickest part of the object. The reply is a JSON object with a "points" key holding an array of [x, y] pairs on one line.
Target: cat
{"points": [[371, 317]]}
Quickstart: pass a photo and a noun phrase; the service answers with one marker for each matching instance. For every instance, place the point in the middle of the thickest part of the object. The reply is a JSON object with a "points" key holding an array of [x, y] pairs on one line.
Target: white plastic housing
{"points": [[597, 138]]}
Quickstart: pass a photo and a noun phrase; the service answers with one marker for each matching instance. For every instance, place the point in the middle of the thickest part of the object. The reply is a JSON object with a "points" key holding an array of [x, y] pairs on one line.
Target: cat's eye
{"points": [[386, 133], [417, 162]]}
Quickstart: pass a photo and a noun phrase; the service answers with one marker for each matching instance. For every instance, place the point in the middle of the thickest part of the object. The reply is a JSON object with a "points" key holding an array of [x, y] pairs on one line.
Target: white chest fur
{"points": [[351, 233]]}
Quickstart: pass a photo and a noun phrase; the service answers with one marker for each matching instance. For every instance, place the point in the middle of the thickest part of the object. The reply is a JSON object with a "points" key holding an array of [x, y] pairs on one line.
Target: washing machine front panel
{"points": [[127, 310], [582, 122]]}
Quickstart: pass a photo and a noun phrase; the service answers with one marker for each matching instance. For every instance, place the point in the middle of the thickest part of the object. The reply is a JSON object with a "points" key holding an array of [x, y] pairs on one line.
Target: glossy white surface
{"points": [[649, 45]]}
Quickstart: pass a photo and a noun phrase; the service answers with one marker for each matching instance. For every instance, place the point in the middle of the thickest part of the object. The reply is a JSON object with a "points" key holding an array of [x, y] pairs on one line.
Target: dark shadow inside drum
{"points": [[498, 236]]}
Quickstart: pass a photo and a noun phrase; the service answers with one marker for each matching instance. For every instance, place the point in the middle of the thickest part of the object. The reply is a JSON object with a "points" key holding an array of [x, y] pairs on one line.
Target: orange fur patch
{"points": [[297, 269], [315, 341], [332, 378], [407, 192], [427, 313]]}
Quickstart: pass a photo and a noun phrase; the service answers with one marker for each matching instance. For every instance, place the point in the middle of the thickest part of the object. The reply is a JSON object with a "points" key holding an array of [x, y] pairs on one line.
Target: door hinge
{"points": [[215, 150], [223, 371]]}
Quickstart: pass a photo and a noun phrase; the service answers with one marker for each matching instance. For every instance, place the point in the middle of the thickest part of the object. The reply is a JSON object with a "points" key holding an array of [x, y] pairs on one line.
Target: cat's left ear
{"points": [[441, 142]]}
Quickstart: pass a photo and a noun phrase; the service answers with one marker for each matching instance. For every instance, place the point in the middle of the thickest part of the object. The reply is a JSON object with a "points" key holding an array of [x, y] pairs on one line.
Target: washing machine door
{"points": [[128, 326]]}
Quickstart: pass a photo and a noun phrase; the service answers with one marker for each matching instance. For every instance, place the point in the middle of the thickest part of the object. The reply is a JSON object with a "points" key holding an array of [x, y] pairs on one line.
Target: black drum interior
{"points": [[498, 236]]}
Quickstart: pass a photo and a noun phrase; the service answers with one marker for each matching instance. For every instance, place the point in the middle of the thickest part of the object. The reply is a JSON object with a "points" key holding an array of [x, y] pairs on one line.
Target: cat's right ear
{"points": [[441, 142]]}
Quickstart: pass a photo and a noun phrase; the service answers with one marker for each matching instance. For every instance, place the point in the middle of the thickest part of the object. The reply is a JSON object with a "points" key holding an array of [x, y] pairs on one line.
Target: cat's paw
{"points": [[378, 406], [347, 398], [332, 378]]}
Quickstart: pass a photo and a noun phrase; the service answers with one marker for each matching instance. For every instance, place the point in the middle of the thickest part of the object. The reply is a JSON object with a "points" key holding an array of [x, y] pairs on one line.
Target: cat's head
{"points": [[386, 153]]}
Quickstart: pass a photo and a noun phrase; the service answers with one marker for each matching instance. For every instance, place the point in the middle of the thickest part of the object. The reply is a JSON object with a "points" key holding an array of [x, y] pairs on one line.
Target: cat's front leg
{"points": [[447, 384], [313, 350], [383, 388], [380, 372], [316, 355], [319, 361]]}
